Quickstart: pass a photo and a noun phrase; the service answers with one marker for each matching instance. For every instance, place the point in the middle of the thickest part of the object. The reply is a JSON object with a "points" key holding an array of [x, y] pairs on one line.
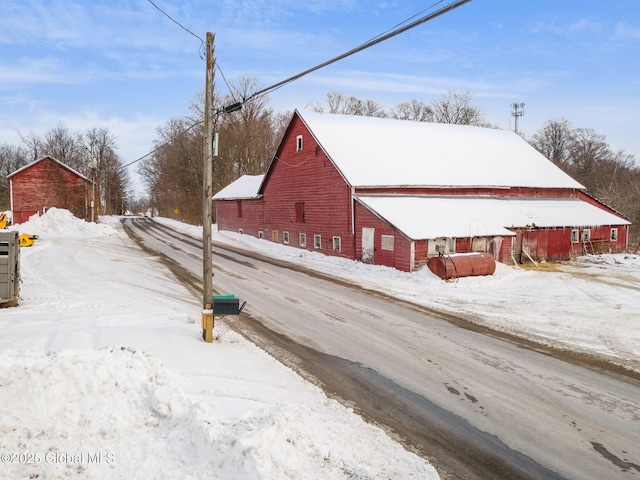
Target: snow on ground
{"points": [[104, 375]]}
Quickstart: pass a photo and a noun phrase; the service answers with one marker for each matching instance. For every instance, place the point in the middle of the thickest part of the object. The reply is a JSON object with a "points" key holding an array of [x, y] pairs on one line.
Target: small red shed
{"points": [[48, 183]]}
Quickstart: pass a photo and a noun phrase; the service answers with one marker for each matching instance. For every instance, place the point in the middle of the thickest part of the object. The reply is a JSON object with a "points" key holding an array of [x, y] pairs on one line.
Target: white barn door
{"points": [[367, 244]]}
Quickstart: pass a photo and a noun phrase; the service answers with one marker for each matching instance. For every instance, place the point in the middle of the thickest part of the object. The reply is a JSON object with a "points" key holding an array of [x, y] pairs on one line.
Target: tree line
{"points": [[91, 154]]}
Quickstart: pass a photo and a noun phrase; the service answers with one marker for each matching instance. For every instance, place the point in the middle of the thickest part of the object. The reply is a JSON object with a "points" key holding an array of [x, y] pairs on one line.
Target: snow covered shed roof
{"points": [[422, 218], [378, 152], [243, 188]]}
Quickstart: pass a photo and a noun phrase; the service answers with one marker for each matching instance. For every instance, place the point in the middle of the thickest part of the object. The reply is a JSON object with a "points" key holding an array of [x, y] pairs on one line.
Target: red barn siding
{"points": [[554, 244], [252, 220], [307, 177], [399, 257], [46, 184]]}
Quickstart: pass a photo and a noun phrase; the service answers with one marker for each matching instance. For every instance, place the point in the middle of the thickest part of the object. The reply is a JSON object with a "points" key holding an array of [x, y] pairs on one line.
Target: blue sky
{"points": [[123, 65]]}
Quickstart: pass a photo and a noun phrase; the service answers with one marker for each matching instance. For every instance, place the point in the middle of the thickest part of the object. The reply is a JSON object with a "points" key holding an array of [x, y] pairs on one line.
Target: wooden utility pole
{"points": [[207, 179]]}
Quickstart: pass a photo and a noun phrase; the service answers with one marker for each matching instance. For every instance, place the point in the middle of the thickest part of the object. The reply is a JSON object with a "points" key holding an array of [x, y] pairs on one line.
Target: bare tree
{"points": [[247, 140], [34, 144], [350, 105], [456, 108], [105, 169], [554, 141], [66, 147], [173, 174], [589, 152], [11, 159], [413, 110]]}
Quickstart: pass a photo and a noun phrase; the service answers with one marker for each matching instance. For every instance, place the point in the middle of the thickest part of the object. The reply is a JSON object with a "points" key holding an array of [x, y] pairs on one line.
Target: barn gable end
{"points": [[48, 183]]}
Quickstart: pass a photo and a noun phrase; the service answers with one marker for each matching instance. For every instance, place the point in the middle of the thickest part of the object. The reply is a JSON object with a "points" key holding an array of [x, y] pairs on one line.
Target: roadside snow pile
{"points": [[60, 221], [117, 413]]}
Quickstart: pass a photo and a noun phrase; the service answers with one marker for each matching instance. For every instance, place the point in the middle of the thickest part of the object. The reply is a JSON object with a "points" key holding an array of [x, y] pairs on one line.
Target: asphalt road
{"points": [[477, 404]]}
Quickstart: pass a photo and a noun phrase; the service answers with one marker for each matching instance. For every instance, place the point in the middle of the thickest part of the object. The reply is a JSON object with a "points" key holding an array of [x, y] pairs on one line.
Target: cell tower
{"points": [[518, 111]]}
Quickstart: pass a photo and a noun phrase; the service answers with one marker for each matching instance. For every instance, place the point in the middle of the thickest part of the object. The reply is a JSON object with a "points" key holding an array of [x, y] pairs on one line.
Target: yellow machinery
{"points": [[26, 239]]}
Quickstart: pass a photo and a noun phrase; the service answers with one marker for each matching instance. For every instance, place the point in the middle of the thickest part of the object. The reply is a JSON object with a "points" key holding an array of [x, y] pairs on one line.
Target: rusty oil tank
{"points": [[462, 265]]}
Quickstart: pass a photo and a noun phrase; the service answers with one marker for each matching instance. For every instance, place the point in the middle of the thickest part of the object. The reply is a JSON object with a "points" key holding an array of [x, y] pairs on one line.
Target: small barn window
{"points": [[285, 238], [239, 207], [303, 240], [299, 212], [336, 244], [586, 235], [614, 235], [317, 241], [260, 234], [387, 242], [299, 143], [574, 236], [274, 235]]}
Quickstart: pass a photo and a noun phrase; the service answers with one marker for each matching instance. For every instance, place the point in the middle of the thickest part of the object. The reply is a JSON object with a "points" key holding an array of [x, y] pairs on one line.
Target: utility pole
{"points": [[207, 179], [518, 111]]}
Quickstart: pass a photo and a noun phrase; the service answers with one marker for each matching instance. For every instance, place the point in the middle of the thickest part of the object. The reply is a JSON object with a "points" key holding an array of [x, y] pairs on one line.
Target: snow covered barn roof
{"points": [[53, 160], [420, 217], [244, 187], [378, 152]]}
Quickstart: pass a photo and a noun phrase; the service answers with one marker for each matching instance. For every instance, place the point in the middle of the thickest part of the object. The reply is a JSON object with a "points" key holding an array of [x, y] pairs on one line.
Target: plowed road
{"points": [[476, 404]]}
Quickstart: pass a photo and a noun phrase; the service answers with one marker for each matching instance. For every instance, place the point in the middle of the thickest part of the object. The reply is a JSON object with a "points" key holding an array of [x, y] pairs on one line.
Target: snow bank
{"points": [[58, 221]]}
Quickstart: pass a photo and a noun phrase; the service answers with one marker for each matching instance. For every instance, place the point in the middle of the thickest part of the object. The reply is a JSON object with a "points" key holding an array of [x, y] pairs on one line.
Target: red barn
{"points": [[48, 183], [396, 193]]}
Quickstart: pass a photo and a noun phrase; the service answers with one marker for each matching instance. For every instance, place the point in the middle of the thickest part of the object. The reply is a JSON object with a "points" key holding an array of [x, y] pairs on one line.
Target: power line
{"points": [[376, 40], [362, 47], [196, 36], [163, 145], [175, 21], [406, 20]]}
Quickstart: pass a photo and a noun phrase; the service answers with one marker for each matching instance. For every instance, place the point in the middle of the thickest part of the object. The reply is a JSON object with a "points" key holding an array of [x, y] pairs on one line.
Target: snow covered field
{"points": [[104, 374]]}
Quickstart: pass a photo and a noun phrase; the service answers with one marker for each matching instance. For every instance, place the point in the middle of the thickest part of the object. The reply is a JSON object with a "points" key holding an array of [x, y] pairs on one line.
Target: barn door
{"points": [[367, 244]]}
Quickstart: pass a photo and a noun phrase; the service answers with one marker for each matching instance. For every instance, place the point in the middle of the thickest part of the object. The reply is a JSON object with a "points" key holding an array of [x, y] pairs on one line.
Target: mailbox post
{"points": [[222, 306]]}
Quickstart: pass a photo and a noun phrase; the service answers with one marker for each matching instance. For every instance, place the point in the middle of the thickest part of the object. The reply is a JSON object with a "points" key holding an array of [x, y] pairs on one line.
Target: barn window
{"points": [[336, 244], [274, 235], [303, 240], [299, 143], [260, 234], [239, 207], [386, 242], [299, 212], [317, 241], [586, 235], [285, 238], [614, 235], [574, 236]]}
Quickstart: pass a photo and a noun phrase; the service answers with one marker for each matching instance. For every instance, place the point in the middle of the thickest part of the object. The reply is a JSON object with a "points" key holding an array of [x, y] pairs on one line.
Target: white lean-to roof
{"points": [[421, 217], [244, 187], [385, 152]]}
